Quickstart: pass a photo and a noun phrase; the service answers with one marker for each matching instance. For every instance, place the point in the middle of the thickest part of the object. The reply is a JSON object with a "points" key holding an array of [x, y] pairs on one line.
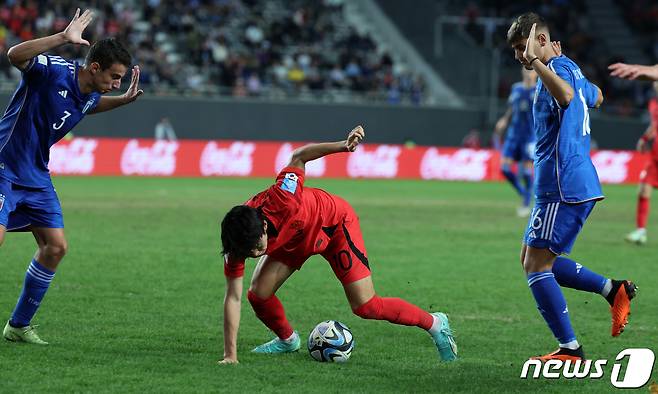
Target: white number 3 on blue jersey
{"points": [[66, 115]]}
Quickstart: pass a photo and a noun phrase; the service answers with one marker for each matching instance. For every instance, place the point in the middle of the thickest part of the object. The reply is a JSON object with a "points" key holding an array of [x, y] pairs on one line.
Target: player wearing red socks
{"points": [[649, 177], [285, 225]]}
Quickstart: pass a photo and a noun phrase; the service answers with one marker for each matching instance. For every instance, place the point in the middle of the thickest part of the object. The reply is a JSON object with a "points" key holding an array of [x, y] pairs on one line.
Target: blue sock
{"points": [[37, 280], [551, 305], [570, 274], [512, 179], [527, 181]]}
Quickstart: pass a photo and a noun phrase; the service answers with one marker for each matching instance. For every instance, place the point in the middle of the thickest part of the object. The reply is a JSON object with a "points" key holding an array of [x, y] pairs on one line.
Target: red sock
{"points": [[642, 212], [396, 311], [271, 313]]}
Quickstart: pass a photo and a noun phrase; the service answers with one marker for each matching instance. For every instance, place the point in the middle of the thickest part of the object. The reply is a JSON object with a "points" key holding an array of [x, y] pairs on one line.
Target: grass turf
{"points": [[136, 305]]}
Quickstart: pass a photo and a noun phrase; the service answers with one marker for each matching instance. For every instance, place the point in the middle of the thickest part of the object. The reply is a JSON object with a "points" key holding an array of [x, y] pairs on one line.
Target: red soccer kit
{"points": [[650, 174], [306, 221]]}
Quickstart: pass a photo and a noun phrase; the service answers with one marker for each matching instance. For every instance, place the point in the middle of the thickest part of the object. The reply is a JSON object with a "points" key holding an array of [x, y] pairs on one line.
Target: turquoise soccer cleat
{"points": [[278, 345], [443, 339]]}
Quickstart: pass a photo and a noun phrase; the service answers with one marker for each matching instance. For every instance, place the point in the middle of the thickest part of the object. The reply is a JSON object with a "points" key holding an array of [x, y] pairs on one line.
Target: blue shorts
{"points": [[556, 225], [21, 207], [519, 150]]}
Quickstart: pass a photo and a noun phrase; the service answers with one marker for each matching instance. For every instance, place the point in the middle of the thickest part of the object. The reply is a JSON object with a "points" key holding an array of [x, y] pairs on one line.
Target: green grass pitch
{"points": [[136, 306]]}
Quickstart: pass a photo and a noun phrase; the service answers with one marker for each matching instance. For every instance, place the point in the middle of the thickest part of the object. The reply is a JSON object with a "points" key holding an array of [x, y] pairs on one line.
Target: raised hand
{"points": [[73, 32], [557, 48], [634, 71], [529, 52], [133, 90], [354, 138]]}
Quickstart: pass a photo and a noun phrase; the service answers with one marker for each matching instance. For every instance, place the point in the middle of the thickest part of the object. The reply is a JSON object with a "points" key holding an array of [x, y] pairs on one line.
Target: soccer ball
{"points": [[331, 341]]}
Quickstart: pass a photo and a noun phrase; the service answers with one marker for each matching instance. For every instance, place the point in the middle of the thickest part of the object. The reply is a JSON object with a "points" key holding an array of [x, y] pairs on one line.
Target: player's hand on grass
{"points": [[557, 48], [634, 71], [354, 138], [228, 360], [73, 32], [529, 52], [133, 90]]}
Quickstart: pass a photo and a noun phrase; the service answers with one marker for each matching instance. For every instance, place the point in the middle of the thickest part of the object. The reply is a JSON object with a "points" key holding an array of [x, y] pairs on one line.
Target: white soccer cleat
{"points": [[637, 236], [523, 212]]}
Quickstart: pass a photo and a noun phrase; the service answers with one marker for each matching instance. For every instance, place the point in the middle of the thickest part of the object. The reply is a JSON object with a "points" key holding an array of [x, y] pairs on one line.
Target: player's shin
{"points": [[642, 211], [396, 311], [35, 286], [270, 311], [553, 307], [570, 274]]}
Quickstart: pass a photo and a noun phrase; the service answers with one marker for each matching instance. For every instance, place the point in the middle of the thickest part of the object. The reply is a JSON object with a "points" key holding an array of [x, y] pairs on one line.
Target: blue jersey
{"points": [[521, 124], [46, 105], [563, 167]]}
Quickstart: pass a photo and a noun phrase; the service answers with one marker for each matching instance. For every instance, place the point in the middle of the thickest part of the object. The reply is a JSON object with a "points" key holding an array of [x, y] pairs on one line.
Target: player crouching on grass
{"points": [[566, 186], [284, 226], [53, 96]]}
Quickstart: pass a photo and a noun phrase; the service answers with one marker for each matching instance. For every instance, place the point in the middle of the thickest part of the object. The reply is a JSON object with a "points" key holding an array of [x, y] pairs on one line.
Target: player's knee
{"points": [[255, 299], [55, 250], [372, 309]]}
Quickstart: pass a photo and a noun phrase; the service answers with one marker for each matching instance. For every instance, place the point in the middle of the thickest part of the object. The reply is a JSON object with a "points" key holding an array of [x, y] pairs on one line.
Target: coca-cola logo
{"points": [[234, 160], [464, 165], [314, 168], [382, 162], [611, 166], [157, 159], [76, 157]]}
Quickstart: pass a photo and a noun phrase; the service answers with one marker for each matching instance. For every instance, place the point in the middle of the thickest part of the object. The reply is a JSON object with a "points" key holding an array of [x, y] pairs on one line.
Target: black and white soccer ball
{"points": [[331, 341]]}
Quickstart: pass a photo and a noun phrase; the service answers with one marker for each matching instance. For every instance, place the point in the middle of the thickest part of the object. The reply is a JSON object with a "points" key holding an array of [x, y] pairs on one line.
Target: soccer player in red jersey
{"points": [[285, 225], [648, 177]]}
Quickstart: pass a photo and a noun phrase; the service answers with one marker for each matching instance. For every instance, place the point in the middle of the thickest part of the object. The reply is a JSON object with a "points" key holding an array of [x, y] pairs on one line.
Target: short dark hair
{"points": [[107, 52], [521, 26], [242, 228]]}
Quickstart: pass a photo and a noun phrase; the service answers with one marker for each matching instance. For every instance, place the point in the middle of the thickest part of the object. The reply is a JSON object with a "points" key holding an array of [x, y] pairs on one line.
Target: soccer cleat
{"points": [[23, 334], [444, 340], [623, 291], [278, 345], [563, 354], [523, 212], [637, 236]]}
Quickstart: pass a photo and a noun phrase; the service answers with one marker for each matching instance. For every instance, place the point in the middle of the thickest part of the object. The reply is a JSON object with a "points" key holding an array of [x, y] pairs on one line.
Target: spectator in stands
{"points": [[164, 130]]}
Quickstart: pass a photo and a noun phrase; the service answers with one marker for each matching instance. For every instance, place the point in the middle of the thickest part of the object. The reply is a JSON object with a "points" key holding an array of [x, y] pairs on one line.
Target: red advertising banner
{"points": [[190, 158]]}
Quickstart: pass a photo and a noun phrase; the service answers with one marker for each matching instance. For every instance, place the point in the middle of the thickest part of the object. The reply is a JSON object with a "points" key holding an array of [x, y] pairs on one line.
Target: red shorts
{"points": [[650, 173]]}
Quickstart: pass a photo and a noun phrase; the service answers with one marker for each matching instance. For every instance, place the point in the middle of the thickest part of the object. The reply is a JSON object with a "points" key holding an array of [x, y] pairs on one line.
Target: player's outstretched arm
{"points": [[634, 71], [315, 151], [502, 123], [232, 303], [107, 103], [20, 55], [558, 87]]}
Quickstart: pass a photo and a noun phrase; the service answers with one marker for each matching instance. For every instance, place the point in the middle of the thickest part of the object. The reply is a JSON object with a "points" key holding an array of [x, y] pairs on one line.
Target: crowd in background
{"points": [[280, 48]]}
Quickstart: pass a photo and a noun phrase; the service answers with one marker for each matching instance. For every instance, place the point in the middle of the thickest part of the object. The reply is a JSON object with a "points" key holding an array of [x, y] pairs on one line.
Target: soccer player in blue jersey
{"points": [[566, 187], [54, 94], [519, 145]]}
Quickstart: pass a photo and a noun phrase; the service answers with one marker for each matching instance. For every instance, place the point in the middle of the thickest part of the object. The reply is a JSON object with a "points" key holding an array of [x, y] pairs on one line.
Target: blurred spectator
{"points": [[164, 130], [472, 140]]}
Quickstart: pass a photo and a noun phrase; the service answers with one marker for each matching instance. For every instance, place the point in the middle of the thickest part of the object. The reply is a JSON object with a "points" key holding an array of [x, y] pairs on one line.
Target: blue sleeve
{"points": [[563, 71], [37, 71], [591, 94]]}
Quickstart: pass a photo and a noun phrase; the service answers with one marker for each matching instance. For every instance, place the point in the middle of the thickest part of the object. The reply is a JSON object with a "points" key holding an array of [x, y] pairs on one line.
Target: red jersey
{"points": [[653, 112], [298, 215]]}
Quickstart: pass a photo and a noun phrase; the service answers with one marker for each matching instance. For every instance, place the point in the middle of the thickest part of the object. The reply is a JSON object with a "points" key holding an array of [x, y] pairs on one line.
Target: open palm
{"points": [[73, 32]]}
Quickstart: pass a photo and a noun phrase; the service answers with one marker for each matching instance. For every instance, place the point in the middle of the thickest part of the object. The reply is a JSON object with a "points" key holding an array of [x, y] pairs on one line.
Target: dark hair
{"points": [[242, 228], [521, 26], [107, 52]]}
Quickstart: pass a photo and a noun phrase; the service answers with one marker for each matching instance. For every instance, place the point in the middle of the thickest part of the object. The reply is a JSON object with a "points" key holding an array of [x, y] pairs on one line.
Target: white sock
{"points": [[292, 337], [436, 325], [606, 288], [573, 345]]}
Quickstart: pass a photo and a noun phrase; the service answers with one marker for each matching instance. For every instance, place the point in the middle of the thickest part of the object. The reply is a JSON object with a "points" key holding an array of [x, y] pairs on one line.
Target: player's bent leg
{"points": [[551, 303], [512, 178], [367, 304], [268, 276], [52, 246]]}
